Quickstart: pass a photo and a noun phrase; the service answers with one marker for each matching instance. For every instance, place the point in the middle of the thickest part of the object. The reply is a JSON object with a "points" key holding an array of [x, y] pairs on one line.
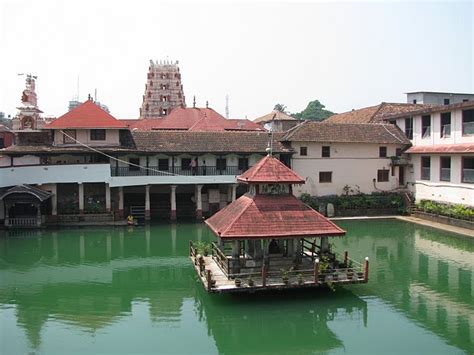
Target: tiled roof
{"points": [[311, 131], [86, 116], [270, 170], [270, 216], [194, 119], [41, 195], [203, 142], [442, 148], [428, 109], [4, 128], [274, 115], [374, 114]]}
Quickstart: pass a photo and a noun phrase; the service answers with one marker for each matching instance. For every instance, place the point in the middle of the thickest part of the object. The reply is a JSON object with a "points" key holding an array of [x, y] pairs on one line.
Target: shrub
{"points": [[445, 209]]}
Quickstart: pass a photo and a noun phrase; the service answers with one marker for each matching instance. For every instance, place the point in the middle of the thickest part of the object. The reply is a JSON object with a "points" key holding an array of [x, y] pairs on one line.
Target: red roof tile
{"points": [[442, 148], [194, 119], [270, 216], [87, 115], [270, 170]]}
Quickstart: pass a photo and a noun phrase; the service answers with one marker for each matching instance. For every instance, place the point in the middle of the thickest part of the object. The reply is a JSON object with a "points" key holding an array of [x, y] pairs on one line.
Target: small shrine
{"points": [[269, 239]]}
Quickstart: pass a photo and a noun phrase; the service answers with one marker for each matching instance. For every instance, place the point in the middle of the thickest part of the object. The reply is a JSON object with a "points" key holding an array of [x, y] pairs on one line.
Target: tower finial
{"points": [[207, 104], [194, 101]]}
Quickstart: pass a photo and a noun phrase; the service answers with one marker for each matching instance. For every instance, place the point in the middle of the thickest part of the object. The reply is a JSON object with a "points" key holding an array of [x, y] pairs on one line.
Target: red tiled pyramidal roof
{"points": [[270, 170], [87, 115], [270, 216]]}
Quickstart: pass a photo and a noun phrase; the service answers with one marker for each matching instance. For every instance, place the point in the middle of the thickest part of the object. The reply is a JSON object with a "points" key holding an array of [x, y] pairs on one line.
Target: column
{"points": [[81, 198], [173, 203], [107, 198], [229, 194], [147, 202], [54, 202], [324, 245], [234, 192], [120, 202], [198, 202]]}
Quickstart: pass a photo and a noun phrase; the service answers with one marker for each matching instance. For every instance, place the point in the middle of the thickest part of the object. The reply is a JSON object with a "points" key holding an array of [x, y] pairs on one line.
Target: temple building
{"points": [[272, 239], [163, 90]]}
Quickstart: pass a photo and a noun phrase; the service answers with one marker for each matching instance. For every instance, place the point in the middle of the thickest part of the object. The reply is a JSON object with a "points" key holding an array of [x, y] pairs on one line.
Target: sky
{"points": [[347, 54]]}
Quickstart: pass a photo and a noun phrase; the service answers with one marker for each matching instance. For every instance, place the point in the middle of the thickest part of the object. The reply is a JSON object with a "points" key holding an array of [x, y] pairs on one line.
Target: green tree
{"points": [[6, 121], [280, 107], [314, 111]]}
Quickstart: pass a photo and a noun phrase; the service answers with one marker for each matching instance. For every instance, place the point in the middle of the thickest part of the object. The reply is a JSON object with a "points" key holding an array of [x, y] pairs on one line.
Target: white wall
{"points": [[26, 160], [83, 136], [351, 164]]}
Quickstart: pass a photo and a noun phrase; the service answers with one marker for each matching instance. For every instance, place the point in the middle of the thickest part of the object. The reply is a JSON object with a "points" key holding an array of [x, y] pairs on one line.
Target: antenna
{"points": [[77, 92], [227, 106], [95, 94]]}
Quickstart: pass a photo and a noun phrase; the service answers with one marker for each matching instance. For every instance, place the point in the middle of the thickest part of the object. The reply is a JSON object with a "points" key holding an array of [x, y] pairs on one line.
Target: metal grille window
{"points": [[409, 127], [445, 169], [325, 176], [326, 151], [382, 175], [382, 152], [446, 125], [163, 165], [468, 122], [303, 151], [97, 134], [425, 168], [69, 136], [425, 126], [468, 169], [243, 164]]}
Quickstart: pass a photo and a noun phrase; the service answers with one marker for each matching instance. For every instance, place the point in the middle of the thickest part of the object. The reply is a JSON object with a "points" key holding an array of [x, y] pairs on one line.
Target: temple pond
{"points": [[134, 290]]}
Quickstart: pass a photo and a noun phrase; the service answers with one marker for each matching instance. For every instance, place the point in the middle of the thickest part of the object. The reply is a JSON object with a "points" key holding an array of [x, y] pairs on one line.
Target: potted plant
{"points": [[238, 282], [300, 279], [284, 276], [250, 282], [203, 248]]}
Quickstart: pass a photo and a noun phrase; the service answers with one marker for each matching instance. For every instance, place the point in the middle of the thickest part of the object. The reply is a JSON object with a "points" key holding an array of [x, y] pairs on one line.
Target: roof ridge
{"points": [[382, 104], [293, 130], [240, 213]]}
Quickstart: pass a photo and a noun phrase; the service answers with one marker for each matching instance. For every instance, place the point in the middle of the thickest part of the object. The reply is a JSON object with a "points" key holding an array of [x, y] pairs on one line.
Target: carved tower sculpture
{"points": [[28, 117], [163, 90]]}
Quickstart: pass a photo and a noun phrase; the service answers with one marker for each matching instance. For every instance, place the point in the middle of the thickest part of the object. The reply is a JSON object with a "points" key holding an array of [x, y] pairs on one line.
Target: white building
{"points": [[442, 153], [334, 157], [437, 98]]}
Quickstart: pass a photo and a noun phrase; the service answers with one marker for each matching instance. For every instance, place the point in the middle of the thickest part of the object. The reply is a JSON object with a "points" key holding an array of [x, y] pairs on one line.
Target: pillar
{"points": [[107, 198], [258, 253], [173, 203], [234, 192], [54, 202], [120, 202], [290, 248], [147, 202], [81, 198], [324, 245], [198, 202], [235, 260], [229, 194]]}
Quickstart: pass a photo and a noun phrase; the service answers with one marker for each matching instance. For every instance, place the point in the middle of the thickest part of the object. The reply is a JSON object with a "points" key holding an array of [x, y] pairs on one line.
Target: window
{"points": [[382, 152], [465, 100], [425, 168], [97, 134], [468, 122], [163, 165], [446, 125], [425, 126], [2, 143], [409, 127], [303, 151], [445, 169], [326, 151], [398, 152], [468, 169], [382, 175], [221, 163], [414, 101], [446, 101], [243, 164], [135, 162], [69, 136], [325, 176]]}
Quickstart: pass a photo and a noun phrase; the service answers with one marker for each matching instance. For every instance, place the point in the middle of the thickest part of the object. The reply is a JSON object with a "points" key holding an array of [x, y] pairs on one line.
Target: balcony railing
{"points": [[177, 170], [468, 175]]}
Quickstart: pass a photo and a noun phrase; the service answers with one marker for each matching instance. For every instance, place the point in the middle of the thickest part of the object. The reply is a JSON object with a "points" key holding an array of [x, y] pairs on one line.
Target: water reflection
{"points": [[93, 279]]}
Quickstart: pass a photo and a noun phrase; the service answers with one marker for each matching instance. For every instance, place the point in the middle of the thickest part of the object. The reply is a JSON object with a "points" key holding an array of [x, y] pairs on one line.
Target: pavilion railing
{"points": [[220, 258], [23, 222], [176, 170]]}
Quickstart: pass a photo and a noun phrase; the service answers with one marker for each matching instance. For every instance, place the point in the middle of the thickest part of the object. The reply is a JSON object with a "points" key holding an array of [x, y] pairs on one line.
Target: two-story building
{"points": [[442, 153]]}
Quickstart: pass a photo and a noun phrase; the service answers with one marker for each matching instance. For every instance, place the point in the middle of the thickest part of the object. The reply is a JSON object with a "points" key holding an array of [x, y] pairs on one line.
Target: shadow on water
{"points": [[90, 279]]}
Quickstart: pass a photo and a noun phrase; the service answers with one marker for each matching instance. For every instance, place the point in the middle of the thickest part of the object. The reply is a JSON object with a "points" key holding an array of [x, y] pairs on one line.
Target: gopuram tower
{"points": [[163, 90], [28, 117]]}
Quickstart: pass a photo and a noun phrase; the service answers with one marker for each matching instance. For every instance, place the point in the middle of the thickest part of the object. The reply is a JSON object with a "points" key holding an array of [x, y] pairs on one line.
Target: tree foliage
{"points": [[280, 107], [314, 111]]}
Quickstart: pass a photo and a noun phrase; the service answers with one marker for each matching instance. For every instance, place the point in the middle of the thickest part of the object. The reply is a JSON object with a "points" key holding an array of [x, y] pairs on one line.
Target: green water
{"points": [[134, 290]]}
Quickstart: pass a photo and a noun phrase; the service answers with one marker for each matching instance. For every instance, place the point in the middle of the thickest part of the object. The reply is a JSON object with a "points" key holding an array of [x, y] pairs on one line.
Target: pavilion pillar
{"points": [[234, 192], [290, 248], [120, 202], [258, 249], [107, 198], [147, 202], [324, 245], [81, 198], [173, 203], [298, 249], [198, 202], [54, 202], [235, 260]]}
